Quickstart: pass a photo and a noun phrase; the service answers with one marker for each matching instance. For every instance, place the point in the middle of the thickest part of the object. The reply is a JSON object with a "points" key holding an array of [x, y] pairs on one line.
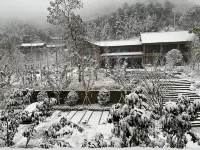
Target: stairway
{"points": [[177, 87]]}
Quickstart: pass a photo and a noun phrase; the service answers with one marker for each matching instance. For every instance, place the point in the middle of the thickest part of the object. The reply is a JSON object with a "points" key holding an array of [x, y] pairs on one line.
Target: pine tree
{"points": [[119, 28]]}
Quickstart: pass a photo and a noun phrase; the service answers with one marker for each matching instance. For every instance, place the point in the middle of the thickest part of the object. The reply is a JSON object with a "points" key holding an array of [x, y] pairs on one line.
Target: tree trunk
{"points": [[28, 139], [58, 97]]}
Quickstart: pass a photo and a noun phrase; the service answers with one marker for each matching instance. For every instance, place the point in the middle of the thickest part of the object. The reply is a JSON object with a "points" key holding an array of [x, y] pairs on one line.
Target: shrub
{"points": [[28, 134], [97, 142], [16, 97], [51, 136], [41, 96], [72, 98], [133, 121], [9, 122], [173, 57], [46, 106], [103, 97], [176, 122], [197, 84]]}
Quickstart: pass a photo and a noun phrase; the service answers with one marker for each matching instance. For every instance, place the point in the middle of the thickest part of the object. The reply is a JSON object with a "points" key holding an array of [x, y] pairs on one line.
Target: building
{"points": [[37, 50], [33, 51], [144, 49]]}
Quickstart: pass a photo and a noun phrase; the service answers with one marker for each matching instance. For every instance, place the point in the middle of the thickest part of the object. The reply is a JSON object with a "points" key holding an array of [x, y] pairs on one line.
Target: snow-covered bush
{"points": [[180, 69], [173, 57], [133, 121], [72, 98], [16, 97], [9, 122], [197, 84], [103, 96], [28, 134], [27, 96], [97, 142], [45, 107], [176, 121], [51, 137], [41, 96], [192, 87]]}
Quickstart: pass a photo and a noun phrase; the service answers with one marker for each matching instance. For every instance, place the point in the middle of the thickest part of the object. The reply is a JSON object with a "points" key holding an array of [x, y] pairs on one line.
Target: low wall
{"points": [[114, 96]]}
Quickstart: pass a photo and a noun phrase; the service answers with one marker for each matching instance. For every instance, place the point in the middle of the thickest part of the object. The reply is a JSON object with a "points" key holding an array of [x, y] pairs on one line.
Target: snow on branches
{"points": [[176, 121]]}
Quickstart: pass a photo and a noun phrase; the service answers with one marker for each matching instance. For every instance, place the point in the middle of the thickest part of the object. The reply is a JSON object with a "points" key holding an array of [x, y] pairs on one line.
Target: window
{"points": [[152, 49], [167, 47], [120, 49]]}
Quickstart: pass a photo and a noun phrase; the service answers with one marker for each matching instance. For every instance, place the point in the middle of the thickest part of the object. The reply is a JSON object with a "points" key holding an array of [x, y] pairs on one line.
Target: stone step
{"points": [[178, 93], [195, 125], [172, 83], [178, 89], [174, 100], [181, 87], [191, 96]]}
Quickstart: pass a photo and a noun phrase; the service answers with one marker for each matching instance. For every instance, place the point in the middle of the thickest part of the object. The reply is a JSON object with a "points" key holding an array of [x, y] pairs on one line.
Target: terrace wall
{"points": [[114, 96]]}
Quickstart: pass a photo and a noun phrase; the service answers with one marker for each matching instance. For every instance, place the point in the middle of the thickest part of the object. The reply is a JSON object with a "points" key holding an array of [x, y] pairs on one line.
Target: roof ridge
{"points": [[119, 40], [164, 32]]}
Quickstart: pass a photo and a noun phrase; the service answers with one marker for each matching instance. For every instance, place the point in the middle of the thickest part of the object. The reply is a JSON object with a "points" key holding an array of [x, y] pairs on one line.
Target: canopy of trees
{"points": [[129, 20]]}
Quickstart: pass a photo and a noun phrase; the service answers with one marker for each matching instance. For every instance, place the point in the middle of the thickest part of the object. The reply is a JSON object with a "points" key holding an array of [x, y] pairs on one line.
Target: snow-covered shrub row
{"points": [[176, 121], [103, 96], [16, 97], [135, 122], [72, 98], [64, 127]]}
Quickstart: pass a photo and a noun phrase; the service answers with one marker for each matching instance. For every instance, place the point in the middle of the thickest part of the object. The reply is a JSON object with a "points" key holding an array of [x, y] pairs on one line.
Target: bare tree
{"points": [[119, 75], [156, 81], [58, 80], [86, 65]]}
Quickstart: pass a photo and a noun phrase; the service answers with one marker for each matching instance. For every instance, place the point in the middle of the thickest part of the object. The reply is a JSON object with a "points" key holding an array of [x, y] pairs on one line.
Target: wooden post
{"points": [[144, 55]]}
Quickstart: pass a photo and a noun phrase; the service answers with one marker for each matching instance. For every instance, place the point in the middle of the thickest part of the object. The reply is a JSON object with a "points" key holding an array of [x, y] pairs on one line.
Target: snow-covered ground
{"points": [[131, 148], [75, 140]]}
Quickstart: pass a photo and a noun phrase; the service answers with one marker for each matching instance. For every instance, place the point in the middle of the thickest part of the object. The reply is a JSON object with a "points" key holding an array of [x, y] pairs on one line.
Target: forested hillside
{"points": [[130, 20]]}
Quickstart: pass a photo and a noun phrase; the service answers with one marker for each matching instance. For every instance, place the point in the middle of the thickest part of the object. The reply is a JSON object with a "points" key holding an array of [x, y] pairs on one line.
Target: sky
{"points": [[36, 10]]}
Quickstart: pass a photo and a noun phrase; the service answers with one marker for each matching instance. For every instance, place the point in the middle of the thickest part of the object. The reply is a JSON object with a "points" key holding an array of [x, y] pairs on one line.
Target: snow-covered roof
{"points": [[32, 44], [123, 54], [129, 42], [166, 37]]}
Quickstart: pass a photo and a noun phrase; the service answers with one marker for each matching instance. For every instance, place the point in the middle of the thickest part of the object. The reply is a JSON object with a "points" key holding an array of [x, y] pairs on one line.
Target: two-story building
{"points": [[144, 49]]}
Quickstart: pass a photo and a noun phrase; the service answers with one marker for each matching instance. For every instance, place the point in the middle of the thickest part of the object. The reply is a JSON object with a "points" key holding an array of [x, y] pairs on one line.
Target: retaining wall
{"points": [[114, 96]]}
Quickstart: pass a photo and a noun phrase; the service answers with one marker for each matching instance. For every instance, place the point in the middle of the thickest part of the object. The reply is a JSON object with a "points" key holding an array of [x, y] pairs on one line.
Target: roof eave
{"points": [[167, 42]]}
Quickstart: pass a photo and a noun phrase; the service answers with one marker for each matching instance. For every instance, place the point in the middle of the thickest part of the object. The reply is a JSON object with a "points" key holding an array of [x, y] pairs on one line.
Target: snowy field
{"points": [[132, 148], [94, 125]]}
